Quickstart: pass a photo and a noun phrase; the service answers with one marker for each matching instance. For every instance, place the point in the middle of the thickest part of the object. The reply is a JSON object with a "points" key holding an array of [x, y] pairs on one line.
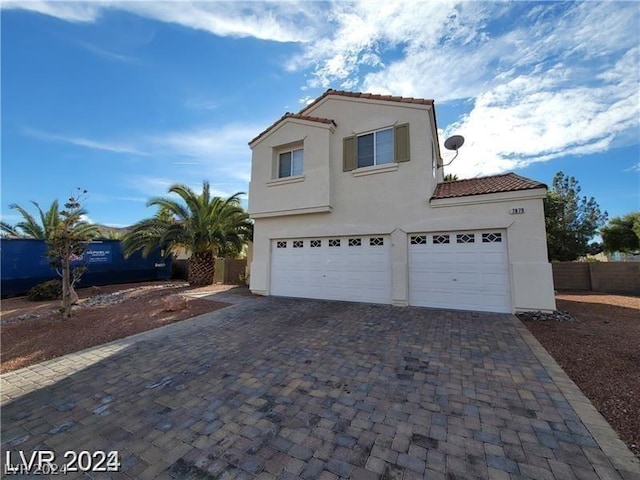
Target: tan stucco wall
{"points": [[311, 190], [390, 200]]}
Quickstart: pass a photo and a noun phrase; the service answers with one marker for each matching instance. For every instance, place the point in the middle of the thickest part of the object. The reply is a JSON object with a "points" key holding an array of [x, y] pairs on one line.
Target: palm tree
{"points": [[203, 225], [49, 221]]}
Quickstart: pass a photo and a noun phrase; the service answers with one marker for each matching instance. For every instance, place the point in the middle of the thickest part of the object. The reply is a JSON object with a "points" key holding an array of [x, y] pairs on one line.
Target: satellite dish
{"points": [[454, 142]]}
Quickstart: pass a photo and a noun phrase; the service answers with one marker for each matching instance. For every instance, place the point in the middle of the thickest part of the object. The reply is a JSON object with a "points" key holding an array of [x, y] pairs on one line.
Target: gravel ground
{"points": [[32, 332], [600, 351]]}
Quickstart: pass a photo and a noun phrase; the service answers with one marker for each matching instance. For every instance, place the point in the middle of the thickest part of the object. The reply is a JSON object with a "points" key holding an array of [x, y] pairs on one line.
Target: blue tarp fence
{"points": [[24, 265]]}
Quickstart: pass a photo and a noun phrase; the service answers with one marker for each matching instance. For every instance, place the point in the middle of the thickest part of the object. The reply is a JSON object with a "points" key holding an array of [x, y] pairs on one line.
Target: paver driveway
{"points": [[285, 388]]}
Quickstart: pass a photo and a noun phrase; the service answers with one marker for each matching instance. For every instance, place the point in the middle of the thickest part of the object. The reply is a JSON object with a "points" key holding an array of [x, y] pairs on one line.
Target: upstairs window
{"points": [[384, 146], [375, 148], [290, 163]]}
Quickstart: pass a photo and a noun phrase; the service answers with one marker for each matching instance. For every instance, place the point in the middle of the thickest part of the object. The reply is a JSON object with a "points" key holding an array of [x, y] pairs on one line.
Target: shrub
{"points": [[49, 290]]}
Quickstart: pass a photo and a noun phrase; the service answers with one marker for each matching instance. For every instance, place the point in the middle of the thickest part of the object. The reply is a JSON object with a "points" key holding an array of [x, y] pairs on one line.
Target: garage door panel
{"points": [[471, 276], [354, 271], [490, 280], [468, 278]]}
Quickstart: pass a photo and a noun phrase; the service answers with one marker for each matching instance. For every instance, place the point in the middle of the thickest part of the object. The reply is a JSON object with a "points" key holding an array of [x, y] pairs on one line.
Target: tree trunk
{"points": [[201, 268], [66, 287]]}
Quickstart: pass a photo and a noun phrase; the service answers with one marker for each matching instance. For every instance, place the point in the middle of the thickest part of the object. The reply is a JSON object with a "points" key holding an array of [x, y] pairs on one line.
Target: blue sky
{"points": [[125, 98]]}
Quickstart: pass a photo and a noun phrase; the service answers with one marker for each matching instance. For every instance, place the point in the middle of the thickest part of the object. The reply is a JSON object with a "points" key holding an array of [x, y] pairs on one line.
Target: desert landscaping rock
{"points": [[556, 316], [174, 303]]}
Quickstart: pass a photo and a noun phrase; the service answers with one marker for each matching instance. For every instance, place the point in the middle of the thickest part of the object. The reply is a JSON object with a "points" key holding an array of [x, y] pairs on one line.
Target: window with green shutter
{"points": [[349, 154], [401, 151], [376, 148]]}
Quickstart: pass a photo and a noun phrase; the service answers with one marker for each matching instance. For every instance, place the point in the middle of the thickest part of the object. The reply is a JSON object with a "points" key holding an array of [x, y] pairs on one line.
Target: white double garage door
{"points": [[466, 270]]}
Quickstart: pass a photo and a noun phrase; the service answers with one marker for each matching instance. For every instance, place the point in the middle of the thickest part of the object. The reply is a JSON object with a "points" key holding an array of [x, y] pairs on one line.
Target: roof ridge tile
{"points": [[368, 96]]}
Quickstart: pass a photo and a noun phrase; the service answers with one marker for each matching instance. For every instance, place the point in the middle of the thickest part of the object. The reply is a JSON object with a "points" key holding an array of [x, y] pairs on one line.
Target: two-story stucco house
{"points": [[349, 204]]}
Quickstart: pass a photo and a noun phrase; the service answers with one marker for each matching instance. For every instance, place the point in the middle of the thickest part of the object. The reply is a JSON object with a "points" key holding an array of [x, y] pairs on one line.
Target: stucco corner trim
{"points": [[360, 172], [285, 180]]}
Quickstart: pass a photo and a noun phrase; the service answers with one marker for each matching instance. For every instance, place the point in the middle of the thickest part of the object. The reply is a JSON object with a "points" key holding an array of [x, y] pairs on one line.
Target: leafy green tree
{"points": [[571, 220], [203, 225], [450, 177], [66, 235], [66, 241], [622, 234]]}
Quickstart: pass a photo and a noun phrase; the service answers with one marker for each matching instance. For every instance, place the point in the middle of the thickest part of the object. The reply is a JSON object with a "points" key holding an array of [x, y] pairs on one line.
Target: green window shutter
{"points": [[349, 154], [401, 143]]}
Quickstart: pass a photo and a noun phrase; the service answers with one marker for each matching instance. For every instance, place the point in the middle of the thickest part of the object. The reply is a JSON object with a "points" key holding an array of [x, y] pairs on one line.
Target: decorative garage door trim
{"points": [[466, 270], [353, 268]]}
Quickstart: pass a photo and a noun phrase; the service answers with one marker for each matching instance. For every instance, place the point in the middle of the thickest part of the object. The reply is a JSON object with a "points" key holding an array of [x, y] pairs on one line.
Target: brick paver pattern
{"points": [[287, 388]]}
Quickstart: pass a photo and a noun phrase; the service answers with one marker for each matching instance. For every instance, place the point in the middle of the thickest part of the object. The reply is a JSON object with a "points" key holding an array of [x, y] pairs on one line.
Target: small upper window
{"points": [[290, 163], [375, 148]]}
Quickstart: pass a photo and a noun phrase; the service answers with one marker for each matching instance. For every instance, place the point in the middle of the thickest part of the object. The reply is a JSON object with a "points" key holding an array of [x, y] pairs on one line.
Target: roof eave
{"points": [[489, 197], [370, 97], [286, 119]]}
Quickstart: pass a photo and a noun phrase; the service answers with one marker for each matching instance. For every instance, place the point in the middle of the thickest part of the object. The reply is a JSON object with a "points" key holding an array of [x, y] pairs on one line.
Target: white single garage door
{"points": [[354, 268], [467, 270]]}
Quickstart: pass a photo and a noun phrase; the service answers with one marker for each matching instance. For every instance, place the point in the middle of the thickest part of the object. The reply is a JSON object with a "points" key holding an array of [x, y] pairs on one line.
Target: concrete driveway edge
{"points": [[621, 457]]}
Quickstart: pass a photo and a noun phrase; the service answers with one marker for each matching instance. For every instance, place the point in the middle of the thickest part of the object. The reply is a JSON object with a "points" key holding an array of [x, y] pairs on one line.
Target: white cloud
{"points": [[537, 118], [633, 168], [107, 54], [87, 218], [306, 100], [219, 154], [426, 39], [150, 186], [291, 21], [220, 149], [545, 79], [115, 147], [222, 152], [130, 199], [69, 11], [201, 104], [209, 143], [159, 186], [116, 225]]}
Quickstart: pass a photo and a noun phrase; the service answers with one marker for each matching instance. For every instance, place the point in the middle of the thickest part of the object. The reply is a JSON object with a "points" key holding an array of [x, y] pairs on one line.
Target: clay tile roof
{"points": [[370, 96], [508, 182], [299, 116]]}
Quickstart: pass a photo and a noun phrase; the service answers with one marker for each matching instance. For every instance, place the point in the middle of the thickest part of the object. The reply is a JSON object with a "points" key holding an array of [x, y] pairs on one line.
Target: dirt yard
{"points": [[600, 351], [32, 332]]}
